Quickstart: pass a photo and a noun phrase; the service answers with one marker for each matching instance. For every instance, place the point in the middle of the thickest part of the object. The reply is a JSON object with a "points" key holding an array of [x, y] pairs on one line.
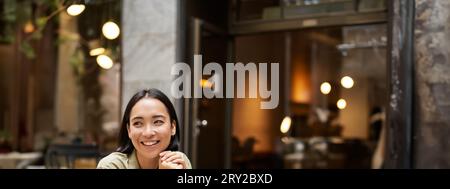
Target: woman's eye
{"points": [[137, 124], [159, 122]]}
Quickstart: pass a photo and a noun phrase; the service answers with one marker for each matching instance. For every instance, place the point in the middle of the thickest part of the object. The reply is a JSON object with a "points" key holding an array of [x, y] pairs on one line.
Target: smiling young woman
{"points": [[149, 137]]}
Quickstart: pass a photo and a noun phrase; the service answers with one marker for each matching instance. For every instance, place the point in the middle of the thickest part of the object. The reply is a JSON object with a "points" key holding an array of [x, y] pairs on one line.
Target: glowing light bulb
{"points": [[97, 51], [347, 82], [325, 88], [341, 104], [29, 27], [285, 124], [104, 61], [110, 30], [206, 84], [75, 10]]}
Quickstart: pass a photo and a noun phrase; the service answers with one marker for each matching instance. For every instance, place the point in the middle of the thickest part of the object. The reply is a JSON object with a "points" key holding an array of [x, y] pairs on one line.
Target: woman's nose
{"points": [[149, 130]]}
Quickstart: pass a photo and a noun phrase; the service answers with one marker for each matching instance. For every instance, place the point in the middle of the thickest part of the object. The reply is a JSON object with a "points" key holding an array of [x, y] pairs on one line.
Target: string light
{"points": [[97, 51], [110, 30], [341, 104], [347, 82], [325, 88], [104, 61], [285, 124], [75, 9]]}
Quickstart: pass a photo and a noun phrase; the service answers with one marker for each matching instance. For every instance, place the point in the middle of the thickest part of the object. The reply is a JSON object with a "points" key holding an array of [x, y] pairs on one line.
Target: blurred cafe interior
{"points": [[360, 87]]}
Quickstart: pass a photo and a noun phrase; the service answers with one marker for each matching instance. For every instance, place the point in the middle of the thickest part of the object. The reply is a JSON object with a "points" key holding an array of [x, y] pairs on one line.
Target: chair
{"points": [[67, 155]]}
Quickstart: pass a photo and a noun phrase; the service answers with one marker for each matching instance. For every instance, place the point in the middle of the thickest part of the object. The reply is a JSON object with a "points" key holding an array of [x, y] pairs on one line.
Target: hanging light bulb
{"points": [[347, 82], [110, 30], [325, 88], [206, 84], [29, 27], [104, 61], [96, 48], [285, 124], [75, 9], [97, 51], [341, 104]]}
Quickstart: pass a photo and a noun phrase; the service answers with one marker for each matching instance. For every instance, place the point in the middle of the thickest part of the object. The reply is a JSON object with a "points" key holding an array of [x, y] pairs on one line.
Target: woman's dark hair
{"points": [[125, 144]]}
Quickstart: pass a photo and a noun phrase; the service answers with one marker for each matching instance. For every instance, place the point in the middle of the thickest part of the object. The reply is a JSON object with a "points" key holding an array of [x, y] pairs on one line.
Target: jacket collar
{"points": [[132, 161]]}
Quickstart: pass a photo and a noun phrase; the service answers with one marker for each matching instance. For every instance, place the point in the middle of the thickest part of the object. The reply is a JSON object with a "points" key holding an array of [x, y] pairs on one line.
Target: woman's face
{"points": [[150, 127]]}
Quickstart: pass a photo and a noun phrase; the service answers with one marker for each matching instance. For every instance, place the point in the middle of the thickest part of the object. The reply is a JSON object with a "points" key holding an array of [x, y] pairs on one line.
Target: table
{"points": [[17, 160]]}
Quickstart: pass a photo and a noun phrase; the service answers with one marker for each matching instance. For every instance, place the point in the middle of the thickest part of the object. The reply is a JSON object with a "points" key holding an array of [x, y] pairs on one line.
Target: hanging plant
{"points": [[31, 18], [7, 20], [77, 62]]}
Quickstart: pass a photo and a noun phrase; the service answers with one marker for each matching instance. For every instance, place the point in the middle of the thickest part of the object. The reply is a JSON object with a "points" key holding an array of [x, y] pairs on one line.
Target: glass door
{"points": [[208, 119]]}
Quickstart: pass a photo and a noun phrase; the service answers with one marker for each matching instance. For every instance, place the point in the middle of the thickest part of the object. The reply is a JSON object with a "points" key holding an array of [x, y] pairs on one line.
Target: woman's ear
{"points": [[174, 128]]}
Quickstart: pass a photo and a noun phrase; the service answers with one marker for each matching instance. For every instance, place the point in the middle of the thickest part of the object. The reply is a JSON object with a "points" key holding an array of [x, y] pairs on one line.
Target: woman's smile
{"points": [[150, 143]]}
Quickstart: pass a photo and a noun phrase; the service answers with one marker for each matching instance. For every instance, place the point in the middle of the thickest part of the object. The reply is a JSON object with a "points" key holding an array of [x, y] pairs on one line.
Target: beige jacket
{"points": [[117, 160]]}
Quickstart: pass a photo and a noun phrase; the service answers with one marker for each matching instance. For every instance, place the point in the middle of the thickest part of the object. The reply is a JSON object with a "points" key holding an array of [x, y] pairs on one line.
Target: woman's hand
{"points": [[169, 165], [171, 160]]}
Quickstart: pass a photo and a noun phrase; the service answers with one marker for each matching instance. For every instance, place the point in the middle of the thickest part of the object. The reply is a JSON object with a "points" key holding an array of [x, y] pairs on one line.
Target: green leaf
{"points": [[26, 48], [37, 35], [9, 10], [77, 62], [41, 22], [24, 12], [50, 2], [7, 39], [8, 36]]}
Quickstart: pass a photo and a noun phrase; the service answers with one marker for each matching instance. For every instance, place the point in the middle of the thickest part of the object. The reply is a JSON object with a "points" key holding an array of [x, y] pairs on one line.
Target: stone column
{"points": [[149, 45], [419, 125], [432, 84]]}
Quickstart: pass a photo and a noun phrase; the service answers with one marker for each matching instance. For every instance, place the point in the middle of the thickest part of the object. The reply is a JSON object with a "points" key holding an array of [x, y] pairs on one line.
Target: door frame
{"points": [[400, 112]]}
